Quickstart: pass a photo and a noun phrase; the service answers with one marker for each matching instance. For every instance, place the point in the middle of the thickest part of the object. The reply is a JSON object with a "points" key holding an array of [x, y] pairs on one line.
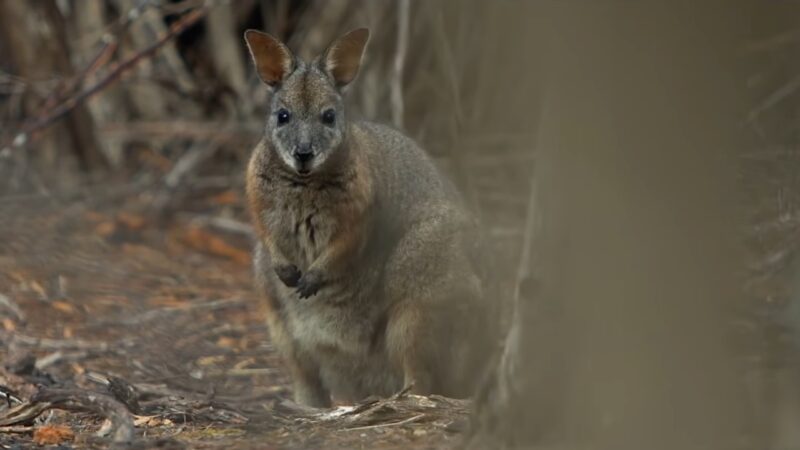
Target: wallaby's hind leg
{"points": [[411, 350], [435, 297], [308, 387]]}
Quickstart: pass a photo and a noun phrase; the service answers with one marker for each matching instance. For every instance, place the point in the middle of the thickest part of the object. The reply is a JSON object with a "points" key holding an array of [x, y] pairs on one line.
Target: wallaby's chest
{"points": [[302, 225]]}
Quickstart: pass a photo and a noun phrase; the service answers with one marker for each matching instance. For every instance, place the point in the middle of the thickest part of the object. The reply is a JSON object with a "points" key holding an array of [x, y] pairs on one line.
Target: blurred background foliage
{"points": [[159, 97]]}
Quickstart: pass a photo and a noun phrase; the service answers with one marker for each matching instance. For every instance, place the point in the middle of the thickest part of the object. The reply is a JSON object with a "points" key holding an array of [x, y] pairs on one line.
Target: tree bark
{"points": [[621, 336], [37, 43]]}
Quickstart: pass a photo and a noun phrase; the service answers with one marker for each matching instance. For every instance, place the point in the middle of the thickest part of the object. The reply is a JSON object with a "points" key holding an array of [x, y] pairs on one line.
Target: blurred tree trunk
{"points": [[150, 100], [37, 43], [622, 335], [224, 44], [89, 24]]}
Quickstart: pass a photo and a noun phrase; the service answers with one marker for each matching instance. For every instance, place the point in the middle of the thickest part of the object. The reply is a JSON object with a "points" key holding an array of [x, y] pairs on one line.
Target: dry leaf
{"points": [[94, 216], [150, 421], [139, 421], [204, 241], [105, 229], [9, 324], [227, 342], [244, 363], [210, 360], [168, 300], [153, 159], [132, 221], [229, 197], [105, 429], [37, 288], [78, 369], [64, 307], [52, 434]]}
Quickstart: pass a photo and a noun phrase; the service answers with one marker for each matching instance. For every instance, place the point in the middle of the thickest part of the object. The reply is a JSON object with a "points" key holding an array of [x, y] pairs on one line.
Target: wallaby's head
{"points": [[306, 122]]}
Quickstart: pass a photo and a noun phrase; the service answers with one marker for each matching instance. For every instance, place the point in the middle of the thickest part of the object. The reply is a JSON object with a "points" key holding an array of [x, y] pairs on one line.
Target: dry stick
{"points": [[70, 104], [74, 400], [11, 306], [399, 62], [16, 430], [390, 424], [57, 344]]}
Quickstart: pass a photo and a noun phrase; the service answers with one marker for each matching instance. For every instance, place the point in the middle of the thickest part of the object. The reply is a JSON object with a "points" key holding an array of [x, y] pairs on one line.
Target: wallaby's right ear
{"points": [[343, 58], [274, 62]]}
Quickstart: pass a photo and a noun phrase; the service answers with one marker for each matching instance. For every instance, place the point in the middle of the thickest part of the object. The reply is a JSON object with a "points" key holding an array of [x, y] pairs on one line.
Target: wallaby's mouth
{"points": [[303, 168], [303, 161]]}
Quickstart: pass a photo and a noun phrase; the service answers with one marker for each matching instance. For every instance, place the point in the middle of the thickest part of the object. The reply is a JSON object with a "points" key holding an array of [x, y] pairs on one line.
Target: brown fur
{"points": [[366, 262]]}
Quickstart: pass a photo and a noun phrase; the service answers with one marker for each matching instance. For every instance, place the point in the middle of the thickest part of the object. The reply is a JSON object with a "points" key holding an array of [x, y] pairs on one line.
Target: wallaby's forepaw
{"points": [[309, 284], [288, 274]]}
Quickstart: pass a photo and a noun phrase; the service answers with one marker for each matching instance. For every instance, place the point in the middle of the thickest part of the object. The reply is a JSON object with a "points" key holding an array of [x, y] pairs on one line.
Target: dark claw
{"points": [[288, 274], [309, 284]]}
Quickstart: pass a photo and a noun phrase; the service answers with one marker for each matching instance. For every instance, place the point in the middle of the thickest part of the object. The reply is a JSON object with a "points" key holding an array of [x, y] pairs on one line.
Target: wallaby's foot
{"points": [[310, 394], [418, 383], [288, 274], [309, 283]]}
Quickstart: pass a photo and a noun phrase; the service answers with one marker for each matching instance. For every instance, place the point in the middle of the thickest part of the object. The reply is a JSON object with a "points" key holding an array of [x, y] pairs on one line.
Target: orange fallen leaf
{"points": [[153, 159], [150, 421], [36, 287], [168, 300], [9, 324], [243, 364], [132, 221], [210, 360], [228, 197], [18, 276], [105, 229], [52, 434], [227, 342], [204, 241], [94, 216], [78, 369], [64, 307]]}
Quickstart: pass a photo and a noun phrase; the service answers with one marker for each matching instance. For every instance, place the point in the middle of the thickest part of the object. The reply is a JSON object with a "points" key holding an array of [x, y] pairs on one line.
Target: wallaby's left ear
{"points": [[342, 59], [274, 62]]}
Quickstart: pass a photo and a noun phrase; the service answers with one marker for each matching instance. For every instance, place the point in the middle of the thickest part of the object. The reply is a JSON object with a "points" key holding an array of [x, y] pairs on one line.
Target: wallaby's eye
{"points": [[283, 116], [329, 117]]}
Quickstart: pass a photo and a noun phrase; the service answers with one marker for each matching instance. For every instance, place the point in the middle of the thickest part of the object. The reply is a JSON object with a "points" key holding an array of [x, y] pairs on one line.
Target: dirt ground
{"points": [[121, 324]]}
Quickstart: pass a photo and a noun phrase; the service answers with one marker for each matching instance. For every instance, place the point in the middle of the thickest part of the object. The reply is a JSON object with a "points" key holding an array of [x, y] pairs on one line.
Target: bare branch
{"points": [[70, 104]]}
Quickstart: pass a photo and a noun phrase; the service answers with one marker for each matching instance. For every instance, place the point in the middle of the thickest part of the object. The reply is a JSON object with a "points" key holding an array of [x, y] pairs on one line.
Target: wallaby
{"points": [[366, 255]]}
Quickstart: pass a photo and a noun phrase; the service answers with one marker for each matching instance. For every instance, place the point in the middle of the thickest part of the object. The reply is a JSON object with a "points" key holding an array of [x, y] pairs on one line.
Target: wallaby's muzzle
{"points": [[303, 155]]}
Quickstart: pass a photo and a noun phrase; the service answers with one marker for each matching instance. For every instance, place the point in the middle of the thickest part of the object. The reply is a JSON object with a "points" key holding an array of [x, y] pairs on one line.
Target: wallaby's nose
{"points": [[303, 152]]}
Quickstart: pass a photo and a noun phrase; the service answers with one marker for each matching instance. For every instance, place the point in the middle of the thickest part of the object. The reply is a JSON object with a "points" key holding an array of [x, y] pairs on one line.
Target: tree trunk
{"points": [[37, 43], [621, 336]]}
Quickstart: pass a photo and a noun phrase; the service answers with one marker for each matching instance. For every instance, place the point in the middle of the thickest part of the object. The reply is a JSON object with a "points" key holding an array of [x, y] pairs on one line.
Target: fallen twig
{"points": [[8, 396], [390, 424], [74, 400], [13, 307], [17, 429], [57, 344]]}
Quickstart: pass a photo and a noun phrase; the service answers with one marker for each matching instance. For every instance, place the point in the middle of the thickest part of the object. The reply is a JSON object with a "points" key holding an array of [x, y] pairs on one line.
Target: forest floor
{"points": [[120, 325]]}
